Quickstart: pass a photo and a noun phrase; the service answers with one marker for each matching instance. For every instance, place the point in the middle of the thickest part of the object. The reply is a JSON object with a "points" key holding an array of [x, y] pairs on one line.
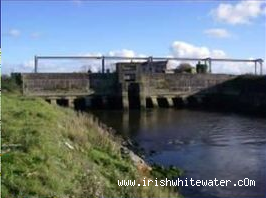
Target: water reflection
{"points": [[206, 145]]}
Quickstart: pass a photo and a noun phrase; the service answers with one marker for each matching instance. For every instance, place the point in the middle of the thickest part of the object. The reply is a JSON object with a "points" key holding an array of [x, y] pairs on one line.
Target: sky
{"points": [[199, 29]]}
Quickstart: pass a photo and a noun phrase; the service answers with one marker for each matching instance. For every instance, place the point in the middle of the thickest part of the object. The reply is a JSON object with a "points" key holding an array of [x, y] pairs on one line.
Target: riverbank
{"points": [[50, 151]]}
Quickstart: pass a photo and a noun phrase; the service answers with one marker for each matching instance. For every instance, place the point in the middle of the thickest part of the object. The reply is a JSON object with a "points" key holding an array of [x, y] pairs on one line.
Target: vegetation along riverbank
{"points": [[50, 151]]}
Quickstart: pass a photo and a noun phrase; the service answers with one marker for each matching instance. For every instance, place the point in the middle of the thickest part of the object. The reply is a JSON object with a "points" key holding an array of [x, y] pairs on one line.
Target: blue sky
{"points": [[171, 28]]}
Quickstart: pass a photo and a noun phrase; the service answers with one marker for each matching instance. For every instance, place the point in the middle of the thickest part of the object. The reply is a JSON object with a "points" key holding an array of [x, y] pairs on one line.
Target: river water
{"points": [[206, 145]]}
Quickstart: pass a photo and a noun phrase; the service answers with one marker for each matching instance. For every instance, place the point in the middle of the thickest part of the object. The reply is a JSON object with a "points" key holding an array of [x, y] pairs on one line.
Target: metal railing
{"points": [[208, 61]]}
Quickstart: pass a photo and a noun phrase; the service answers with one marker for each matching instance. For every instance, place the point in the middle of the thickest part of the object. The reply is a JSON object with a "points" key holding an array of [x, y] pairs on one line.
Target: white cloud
{"points": [[16, 33], [26, 66], [90, 64], [218, 54], [187, 50], [123, 53], [218, 33], [95, 65], [233, 68], [172, 64], [13, 33], [77, 2], [126, 53], [241, 13], [35, 35]]}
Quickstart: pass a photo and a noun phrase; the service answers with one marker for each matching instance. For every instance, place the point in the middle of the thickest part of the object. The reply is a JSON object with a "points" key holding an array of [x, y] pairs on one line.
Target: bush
{"points": [[184, 68], [10, 84]]}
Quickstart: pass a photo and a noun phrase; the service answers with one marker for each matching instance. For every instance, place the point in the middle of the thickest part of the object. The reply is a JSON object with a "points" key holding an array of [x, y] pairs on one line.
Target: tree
{"points": [[184, 68]]}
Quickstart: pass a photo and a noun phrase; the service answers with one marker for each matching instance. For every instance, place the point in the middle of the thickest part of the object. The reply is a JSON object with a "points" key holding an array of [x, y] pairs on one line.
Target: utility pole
{"points": [[35, 64], [210, 65], [103, 66], [261, 69]]}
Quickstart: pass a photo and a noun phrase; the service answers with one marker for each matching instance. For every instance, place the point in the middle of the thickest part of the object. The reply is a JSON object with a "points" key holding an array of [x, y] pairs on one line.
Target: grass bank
{"points": [[50, 151]]}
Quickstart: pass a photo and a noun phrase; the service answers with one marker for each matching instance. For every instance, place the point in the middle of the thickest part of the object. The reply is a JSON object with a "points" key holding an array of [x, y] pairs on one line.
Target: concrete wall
{"points": [[56, 84], [104, 84], [156, 85], [213, 90], [181, 84], [241, 94]]}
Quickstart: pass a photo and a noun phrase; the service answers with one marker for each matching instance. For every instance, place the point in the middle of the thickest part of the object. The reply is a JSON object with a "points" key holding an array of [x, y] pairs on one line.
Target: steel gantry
{"points": [[208, 61]]}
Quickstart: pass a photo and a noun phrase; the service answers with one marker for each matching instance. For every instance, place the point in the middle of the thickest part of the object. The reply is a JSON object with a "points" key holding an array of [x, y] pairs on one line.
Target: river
{"points": [[206, 145]]}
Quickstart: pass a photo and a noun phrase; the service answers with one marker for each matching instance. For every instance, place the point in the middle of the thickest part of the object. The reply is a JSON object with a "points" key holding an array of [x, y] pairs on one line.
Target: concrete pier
{"points": [[53, 101], [142, 101], [154, 101], [125, 102], [142, 96], [170, 101], [71, 103]]}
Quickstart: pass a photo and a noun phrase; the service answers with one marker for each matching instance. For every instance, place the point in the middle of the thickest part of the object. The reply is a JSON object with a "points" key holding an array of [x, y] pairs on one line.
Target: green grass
{"points": [[50, 151]]}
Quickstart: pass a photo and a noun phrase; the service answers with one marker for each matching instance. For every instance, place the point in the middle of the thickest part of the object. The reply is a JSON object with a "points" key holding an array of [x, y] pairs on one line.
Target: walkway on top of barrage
{"points": [[150, 59]]}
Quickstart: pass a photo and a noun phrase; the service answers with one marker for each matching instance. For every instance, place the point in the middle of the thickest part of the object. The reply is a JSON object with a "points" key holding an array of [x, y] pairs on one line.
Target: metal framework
{"points": [[207, 61]]}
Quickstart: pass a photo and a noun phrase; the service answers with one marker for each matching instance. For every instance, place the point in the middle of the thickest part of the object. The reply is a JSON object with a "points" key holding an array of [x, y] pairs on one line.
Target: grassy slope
{"points": [[38, 162]]}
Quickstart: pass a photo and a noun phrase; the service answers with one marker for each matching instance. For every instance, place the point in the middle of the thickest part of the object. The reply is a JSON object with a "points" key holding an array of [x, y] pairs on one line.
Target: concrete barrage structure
{"points": [[139, 88], [130, 86], [146, 84]]}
